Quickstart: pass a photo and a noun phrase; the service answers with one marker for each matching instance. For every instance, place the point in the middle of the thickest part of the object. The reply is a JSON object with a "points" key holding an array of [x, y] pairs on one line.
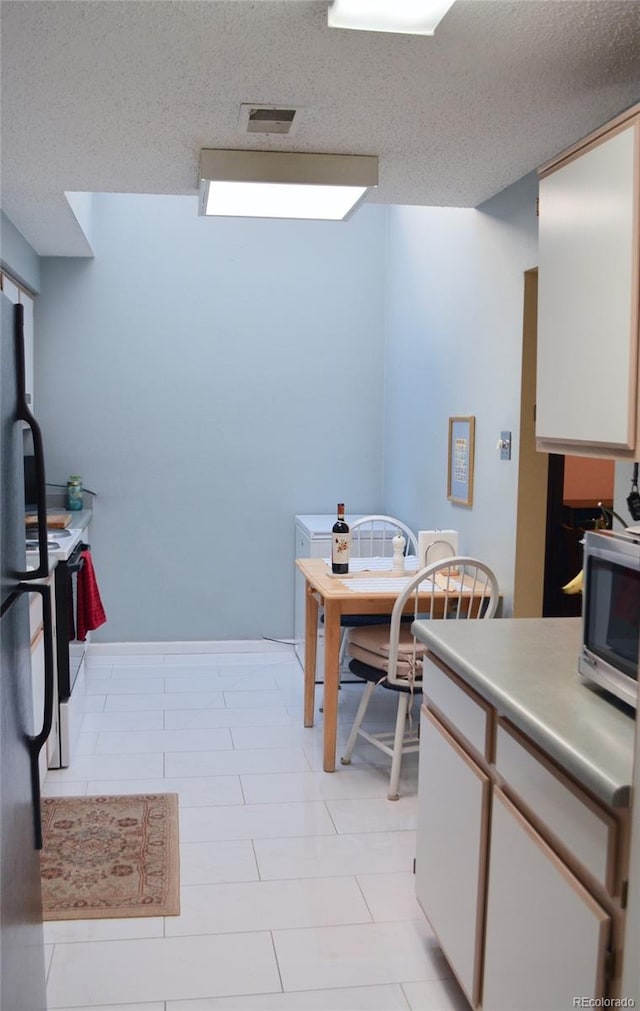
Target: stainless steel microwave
{"points": [[611, 613]]}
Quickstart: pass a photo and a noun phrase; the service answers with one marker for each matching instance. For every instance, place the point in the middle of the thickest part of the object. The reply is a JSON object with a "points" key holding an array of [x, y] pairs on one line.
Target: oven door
{"points": [[65, 575], [70, 655]]}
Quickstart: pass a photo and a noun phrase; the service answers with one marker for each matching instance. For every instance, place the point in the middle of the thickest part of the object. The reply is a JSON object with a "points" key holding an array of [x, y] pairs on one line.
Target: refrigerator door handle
{"points": [[24, 414], [35, 742]]}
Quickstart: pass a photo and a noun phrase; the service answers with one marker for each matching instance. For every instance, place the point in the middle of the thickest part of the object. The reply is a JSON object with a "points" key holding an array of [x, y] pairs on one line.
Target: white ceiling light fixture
{"points": [[280, 184], [408, 17]]}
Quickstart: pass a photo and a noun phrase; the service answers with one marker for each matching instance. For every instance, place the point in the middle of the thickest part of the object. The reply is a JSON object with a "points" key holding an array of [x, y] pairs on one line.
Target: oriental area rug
{"points": [[110, 856]]}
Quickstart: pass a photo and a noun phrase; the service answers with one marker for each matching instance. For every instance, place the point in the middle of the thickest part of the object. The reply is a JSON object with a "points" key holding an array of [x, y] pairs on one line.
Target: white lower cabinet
{"points": [[521, 873], [450, 866], [546, 936]]}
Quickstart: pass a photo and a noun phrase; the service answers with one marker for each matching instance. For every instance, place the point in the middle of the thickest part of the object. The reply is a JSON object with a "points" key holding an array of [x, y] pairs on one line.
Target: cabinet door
{"points": [[48, 758], [10, 289], [588, 300], [37, 684], [18, 295], [27, 303], [53, 741], [545, 934], [451, 849]]}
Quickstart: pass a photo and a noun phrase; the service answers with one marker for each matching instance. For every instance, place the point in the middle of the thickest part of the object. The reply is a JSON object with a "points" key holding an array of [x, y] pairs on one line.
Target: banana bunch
{"points": [[575, 584]]}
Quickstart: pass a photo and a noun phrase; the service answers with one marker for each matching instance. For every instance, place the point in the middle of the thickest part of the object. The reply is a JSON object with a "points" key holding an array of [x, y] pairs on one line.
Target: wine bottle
{"points": [[340, 543]]}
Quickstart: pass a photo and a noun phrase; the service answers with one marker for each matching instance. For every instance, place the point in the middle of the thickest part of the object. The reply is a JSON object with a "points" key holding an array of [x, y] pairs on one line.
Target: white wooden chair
{"points": [[389, 656], [372, 536]]}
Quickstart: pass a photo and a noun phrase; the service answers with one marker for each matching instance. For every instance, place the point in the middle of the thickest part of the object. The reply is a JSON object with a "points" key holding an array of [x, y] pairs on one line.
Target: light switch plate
{"points": [[505, 445]]}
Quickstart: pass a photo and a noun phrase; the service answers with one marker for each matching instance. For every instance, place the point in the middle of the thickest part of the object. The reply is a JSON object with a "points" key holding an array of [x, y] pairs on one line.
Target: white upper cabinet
{"points": [[589, 247], [16, 294], [27, 303]]}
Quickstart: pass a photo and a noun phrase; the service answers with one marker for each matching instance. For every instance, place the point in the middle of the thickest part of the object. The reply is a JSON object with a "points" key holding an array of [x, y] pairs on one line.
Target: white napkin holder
{"points": [[434, 545]]}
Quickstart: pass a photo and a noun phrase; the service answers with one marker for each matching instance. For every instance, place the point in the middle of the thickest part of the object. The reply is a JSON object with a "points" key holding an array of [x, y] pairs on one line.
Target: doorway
{"points": [[533, 467], [575, 488], [557, 498]]}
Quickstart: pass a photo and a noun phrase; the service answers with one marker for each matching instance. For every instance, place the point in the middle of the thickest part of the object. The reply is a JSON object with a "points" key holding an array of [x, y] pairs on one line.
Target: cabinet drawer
{"points": [[578, 823], [466, 713], [35, 614]]}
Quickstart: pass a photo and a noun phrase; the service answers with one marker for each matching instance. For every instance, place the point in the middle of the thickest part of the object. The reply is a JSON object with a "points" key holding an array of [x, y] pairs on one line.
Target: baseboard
{"points": [[214, 646]]}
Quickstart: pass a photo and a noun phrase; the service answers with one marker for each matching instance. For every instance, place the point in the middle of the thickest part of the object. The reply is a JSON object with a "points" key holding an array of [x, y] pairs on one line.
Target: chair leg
{"points": [[396, 762], [344, 642], [357, 723]]}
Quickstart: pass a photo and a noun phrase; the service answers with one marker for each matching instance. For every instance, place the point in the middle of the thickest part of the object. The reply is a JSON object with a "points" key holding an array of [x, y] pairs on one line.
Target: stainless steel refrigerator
{"points": [[22, 971]]}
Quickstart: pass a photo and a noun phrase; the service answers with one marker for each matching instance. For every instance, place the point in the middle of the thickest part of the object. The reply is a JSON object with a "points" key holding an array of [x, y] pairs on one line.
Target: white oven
{"points": [[70, 653], [65, 549]]}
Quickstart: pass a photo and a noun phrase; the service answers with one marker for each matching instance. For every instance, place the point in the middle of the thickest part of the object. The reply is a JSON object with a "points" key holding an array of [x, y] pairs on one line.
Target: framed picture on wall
{"points": [[460, 466]]}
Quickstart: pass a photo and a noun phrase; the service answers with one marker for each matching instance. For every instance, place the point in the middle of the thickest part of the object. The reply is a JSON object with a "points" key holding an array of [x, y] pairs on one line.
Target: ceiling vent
{"points": [[268, 119]]}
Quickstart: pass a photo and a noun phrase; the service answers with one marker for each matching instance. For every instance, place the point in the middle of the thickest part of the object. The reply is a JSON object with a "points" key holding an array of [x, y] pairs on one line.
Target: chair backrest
{"points": [[451, 588], [372, 537]]}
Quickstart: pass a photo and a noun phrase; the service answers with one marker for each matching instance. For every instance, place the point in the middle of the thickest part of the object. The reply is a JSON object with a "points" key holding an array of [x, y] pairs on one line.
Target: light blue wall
{"points": [[224, 376], [211, 379], [17, 256], [454, 347]]}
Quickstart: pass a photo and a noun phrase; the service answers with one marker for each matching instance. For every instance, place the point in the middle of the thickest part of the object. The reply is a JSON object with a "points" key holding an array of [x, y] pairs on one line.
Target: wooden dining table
{"points": [[323, 589]]}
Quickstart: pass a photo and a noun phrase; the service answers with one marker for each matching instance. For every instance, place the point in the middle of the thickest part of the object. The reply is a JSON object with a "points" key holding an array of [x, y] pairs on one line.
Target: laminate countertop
{"points": [[62, 542], [528, 669]]}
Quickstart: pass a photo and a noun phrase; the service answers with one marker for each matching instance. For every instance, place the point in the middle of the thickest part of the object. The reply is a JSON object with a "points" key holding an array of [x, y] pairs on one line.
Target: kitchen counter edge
{"points": [[527, 669]]}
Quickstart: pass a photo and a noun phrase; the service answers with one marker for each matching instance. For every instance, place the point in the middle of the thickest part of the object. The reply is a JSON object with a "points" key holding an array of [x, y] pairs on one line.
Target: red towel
{"points": [[90, 612]]}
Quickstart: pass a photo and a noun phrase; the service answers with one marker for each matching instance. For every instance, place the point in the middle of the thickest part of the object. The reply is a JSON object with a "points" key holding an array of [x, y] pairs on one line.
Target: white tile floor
{"points": [[297, 892]]}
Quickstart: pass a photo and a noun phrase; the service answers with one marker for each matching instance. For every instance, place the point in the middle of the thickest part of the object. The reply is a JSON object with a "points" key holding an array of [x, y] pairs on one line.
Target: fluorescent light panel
{"points": [[409, 17], [278, 184]]}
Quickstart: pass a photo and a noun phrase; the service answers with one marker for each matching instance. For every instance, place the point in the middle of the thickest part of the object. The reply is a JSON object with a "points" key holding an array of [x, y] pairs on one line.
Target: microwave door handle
{"points": [[35, 742], [25, 414]]}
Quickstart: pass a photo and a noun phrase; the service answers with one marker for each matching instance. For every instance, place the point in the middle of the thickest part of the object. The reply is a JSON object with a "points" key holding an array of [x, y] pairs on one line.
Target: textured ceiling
{"points": [[121, 96]]}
